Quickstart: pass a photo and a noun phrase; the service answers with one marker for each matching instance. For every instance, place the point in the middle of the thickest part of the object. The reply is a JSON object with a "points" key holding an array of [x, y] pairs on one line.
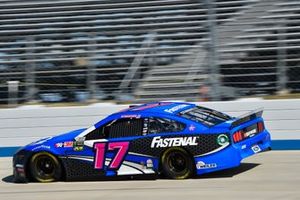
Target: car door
{"points": [[109, 145]]}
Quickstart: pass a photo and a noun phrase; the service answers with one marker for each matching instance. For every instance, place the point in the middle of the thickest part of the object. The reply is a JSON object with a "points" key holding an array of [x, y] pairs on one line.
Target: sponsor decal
{"points": [[41, 141], [78, 144], [176, 108], [68, 144], [130, 116], [244, 146], [78, 148], [149, 164], [20, 170], [256, 149], [145, 130], [59, 145], [158, 142], [153, 105], [40, 147], [250, 133], [203, 165], [145, 126], [20, 165], [65, 144], [192, 127], [222, 139]]}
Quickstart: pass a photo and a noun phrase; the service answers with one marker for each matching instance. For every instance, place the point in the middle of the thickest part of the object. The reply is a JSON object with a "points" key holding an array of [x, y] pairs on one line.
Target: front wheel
{"points": [[177, 164], [45, 167]]}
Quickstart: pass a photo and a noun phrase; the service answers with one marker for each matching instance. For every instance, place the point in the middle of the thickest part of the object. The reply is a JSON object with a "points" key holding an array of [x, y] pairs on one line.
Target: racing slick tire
{"points": [[177, 164], [45, 167]]}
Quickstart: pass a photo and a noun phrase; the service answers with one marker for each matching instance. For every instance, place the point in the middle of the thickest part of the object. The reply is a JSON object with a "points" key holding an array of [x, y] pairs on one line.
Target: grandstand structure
{"points": [[144, 50]]}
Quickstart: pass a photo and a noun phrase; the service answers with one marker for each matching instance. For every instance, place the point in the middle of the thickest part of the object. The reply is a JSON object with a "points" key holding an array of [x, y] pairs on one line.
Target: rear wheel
{"points": [[177, 164], [45, 167]]}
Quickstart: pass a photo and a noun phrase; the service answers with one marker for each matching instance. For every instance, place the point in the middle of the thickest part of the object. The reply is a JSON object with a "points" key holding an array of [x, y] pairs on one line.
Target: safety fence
{"points": [[64, 50]]}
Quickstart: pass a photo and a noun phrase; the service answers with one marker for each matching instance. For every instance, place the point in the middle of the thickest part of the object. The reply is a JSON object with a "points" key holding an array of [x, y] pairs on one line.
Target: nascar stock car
{"points": [[171, 139]]}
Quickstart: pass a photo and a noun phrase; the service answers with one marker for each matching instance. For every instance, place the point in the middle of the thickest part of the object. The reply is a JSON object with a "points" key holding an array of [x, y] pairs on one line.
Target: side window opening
{"points": [[96, 134], [163, 125], [205, 116], [117, 128], [125, 128]]}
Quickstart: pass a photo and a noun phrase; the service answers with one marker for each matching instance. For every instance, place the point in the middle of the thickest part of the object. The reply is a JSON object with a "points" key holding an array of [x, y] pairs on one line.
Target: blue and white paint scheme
{"points": [[131, 142]]}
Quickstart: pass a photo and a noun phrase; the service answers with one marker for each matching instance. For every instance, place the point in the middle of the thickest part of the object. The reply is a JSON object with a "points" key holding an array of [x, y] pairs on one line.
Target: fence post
{"points": [[30, 68], [91, 73], [136, 63], [281, 58], [13, 90], [213, 63]]}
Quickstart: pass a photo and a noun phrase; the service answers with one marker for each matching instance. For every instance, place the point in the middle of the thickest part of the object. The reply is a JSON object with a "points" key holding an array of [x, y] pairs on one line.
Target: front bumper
{"points": [[20, 166]]}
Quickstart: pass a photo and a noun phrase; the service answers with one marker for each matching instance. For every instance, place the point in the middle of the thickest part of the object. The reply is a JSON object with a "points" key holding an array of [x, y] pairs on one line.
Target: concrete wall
{"points": [[26, 124]]}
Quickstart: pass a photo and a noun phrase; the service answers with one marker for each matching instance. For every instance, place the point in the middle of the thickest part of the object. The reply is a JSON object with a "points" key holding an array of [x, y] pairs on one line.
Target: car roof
{"points": [[171, 108]]}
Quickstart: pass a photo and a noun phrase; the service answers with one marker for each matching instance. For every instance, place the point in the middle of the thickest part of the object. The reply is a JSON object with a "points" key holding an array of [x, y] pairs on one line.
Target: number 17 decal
{"points": [[100, 148]]}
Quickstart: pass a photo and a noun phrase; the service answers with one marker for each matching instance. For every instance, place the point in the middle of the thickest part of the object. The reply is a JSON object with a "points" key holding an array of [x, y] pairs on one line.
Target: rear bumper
{"points": [[262, 140], [233, 155]]}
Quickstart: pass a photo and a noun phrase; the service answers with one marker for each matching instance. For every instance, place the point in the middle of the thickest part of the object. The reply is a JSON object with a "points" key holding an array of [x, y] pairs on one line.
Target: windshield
{"points": [[205, 116]]}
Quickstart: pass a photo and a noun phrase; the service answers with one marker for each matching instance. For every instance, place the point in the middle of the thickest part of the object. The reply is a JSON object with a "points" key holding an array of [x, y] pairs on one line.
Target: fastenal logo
{"points": [[176, 108], [158, 142]]}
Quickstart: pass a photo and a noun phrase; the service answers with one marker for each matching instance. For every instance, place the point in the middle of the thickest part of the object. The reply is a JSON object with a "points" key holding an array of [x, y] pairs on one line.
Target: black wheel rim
{"points": [[45, 167], [177, 162]]}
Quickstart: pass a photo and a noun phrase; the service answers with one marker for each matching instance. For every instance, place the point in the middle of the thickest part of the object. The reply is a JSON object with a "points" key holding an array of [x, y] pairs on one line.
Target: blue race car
{"points": [[176, 140]]}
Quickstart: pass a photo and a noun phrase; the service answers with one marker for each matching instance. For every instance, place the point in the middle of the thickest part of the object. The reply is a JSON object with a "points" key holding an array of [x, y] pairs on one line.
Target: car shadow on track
{"points": [[227, 173], [8, 179]]}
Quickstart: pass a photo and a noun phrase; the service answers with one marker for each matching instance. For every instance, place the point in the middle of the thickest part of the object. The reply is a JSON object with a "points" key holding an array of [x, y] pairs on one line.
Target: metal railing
{"points": [[81, 50], [136, 64]]}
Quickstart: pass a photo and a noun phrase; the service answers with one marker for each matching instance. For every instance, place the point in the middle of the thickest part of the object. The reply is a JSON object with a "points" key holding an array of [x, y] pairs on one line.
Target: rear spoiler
{"points": [[247, 117]]}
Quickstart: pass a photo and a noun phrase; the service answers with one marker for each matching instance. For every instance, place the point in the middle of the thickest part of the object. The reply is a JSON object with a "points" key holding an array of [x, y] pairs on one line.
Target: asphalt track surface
{"points": [[272, 175]]}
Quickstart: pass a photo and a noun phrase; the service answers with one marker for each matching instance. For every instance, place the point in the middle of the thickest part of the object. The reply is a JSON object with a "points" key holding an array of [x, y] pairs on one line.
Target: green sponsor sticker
{"points": [[222, 139]]}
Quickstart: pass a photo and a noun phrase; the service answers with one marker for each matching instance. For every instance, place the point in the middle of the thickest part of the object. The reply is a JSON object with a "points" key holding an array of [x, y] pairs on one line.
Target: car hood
{"points": [[50, 142]]}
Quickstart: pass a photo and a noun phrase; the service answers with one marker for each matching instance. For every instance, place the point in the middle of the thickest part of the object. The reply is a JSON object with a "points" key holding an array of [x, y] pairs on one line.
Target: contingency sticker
{"points": [[256, 148]]}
